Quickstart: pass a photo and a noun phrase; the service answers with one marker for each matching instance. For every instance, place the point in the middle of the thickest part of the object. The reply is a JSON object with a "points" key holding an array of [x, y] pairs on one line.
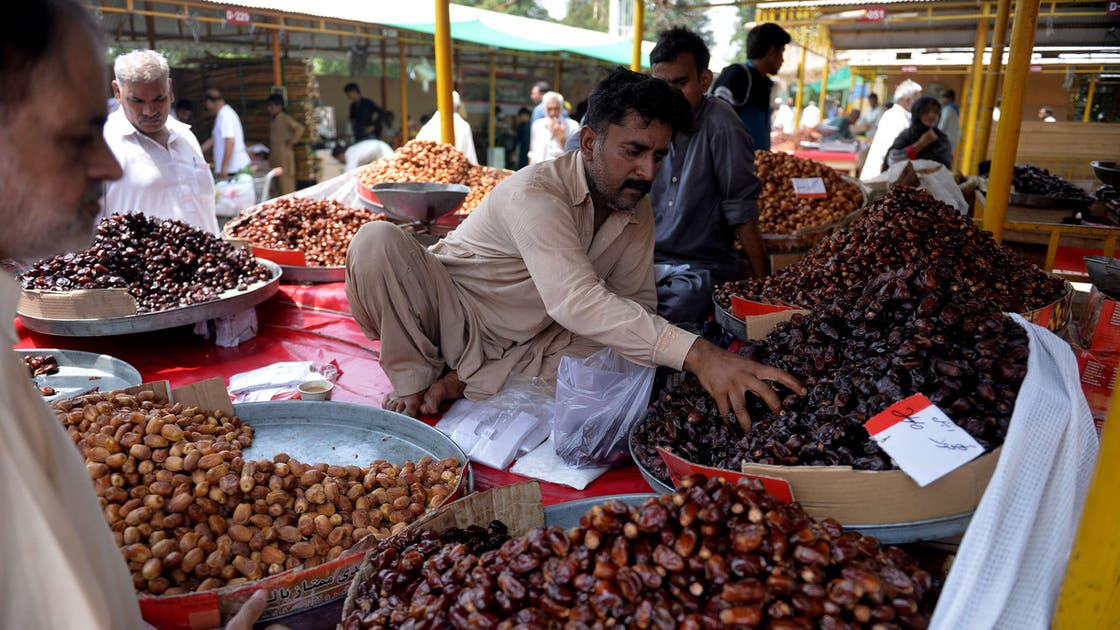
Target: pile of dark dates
{"points": [[322, 229], [906, 332], [711, 555], [41, 364], [163, 264], [907, 228], [1033, 180]]}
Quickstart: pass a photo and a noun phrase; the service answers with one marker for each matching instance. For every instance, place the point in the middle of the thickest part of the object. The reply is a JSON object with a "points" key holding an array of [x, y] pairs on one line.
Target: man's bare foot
{"points": [[408, 405], [448, 387]]}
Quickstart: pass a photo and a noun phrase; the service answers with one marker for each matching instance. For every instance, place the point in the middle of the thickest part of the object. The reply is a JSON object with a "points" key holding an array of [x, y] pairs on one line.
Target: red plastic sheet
{"points": [[301, 323]]}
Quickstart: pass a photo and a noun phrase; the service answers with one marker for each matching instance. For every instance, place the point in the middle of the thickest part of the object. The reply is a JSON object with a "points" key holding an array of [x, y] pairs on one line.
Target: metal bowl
{"points": [[1104, 273], [1107, 172], [414, 201]]}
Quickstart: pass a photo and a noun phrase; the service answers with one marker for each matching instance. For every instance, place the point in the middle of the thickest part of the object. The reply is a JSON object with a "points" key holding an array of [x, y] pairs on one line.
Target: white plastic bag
{"points": [[496, 430], [597, 399], [234, 195], [1011, 562]]}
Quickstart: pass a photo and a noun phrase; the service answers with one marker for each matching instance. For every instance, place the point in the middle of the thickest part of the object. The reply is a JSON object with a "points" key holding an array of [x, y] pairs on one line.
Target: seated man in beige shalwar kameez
{"points": [[556, 261]]}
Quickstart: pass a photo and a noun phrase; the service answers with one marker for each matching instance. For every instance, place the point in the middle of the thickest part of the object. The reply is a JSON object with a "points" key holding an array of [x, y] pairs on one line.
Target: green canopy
{"points": [[839, 80]]}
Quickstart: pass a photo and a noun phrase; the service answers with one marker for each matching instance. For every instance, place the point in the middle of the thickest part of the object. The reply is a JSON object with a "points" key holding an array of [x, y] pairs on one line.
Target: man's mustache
{"points": [[640, 185]]}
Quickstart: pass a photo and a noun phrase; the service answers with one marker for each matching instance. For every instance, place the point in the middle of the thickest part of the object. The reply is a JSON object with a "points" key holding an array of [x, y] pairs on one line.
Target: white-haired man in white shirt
{"points": [[893, 122], [464, 137], [549, 135], [165, 175]]}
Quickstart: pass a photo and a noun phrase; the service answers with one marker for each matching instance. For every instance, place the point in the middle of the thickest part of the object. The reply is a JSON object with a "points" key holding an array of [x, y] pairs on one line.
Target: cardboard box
{"points": [[862, 497], [759, 318], [1098, 377], [81, 304]]}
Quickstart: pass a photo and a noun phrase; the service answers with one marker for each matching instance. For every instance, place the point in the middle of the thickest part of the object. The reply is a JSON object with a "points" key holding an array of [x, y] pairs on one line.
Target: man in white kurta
{"points": [[464, 137], [228, 138], [893, 122], [165, 175]]}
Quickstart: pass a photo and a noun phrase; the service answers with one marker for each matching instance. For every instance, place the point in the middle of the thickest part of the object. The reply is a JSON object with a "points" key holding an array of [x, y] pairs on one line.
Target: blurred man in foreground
{"points": [[62, 567]]}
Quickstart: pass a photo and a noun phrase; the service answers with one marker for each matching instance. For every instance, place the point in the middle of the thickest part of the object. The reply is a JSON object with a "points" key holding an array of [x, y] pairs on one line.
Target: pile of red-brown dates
{"points": [[163, 264], [907, 228], [906, 332], [320, 228], [710, 555]]}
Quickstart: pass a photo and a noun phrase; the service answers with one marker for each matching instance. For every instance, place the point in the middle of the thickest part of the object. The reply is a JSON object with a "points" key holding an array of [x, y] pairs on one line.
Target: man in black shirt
{"points": [[365, 115], [746, 86]]}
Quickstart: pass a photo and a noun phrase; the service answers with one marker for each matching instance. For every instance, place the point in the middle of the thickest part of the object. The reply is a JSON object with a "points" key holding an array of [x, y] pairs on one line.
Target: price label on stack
{"points": [[924, 442], [809, 187]]}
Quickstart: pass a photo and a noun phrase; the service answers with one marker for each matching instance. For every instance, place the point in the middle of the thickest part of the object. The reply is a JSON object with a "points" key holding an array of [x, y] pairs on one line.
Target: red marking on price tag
{"points": [[238, 16], [924, 442]]}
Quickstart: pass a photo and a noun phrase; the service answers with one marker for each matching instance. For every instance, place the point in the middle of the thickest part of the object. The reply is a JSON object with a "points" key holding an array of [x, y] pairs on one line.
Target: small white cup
{"points": [[318, 389]]}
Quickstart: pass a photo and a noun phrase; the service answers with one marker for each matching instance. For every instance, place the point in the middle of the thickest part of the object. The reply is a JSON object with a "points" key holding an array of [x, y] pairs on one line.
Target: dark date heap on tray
{"points": [[906, 229], [711, 555], [907, 332], [1032, 180], [163, 264], [320, 228], [41, 364]]}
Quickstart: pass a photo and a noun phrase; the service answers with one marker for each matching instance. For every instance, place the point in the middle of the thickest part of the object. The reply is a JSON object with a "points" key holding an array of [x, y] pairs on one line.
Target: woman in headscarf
{"points": [[922, 140]]}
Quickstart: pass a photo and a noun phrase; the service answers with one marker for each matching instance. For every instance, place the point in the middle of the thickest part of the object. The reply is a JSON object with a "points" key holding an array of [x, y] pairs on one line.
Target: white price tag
{"points": [[808, 187], [924, 442]]}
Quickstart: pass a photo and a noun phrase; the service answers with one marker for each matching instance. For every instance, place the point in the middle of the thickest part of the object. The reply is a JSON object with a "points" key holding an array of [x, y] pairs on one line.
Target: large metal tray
{"points": [[891, 533], [231, 302], [312, 275], [567, 515], [340, 433], [79, 372], [1043, 202]]}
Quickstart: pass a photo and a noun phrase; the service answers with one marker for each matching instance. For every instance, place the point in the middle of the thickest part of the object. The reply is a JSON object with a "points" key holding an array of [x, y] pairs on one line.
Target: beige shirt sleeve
{"points": [[574, 296]]}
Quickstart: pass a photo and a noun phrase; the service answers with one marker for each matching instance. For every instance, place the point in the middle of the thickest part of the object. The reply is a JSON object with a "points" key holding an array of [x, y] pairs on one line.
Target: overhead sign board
{"points": [[238, 16], [874, 14]]}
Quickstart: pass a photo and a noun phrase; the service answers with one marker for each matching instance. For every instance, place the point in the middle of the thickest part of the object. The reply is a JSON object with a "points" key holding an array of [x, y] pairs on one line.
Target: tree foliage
{"points": [[523, 8], [743, 15], [659, 15]]}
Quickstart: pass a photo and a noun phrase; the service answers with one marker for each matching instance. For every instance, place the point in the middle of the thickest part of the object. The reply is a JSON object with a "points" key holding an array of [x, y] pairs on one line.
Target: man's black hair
{"points": [[676, 41], [352, 87], [525, 110], [764, 37], [184, 105], [873, 96], [625, 91], [543, 86], [949, 94], [28, 33], [276, 99]]}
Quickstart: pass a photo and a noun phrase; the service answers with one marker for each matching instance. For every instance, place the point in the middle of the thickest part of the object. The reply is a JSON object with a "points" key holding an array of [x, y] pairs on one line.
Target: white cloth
{"points": [[869, 120], [62, 568], [543, 145], [366, 151], [1010, 565], [810, 116], [893, 122], [464, 138], [950, 124], [228, 125], [167, 183], [783, 119]]}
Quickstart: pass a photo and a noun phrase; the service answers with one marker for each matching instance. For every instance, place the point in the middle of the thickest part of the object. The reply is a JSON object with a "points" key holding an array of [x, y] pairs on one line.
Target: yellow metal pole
{"points": [[1011, 115], [277, 69], [493, 96], [995, 66], [1089, 99], [975, 95], [1089, 597], [639, 26], [824, 80], [800, 88], [443, 72], [403, 76]]}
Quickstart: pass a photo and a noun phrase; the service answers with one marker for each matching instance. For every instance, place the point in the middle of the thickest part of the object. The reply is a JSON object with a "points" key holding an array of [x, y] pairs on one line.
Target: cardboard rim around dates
{"points": [[230, 302]]}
